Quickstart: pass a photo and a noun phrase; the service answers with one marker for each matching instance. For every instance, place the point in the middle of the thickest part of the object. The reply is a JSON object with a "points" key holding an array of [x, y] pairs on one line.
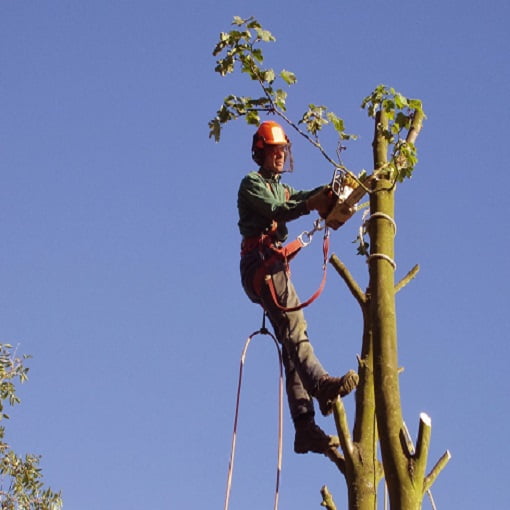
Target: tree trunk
{"points": [[362, 469], [397, 463]]}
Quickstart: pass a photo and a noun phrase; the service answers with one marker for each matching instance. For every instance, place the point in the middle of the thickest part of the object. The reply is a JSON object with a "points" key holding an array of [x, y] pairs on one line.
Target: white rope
{"points": [[386, 217], [262, 331], [432, 502], [384, 257], [386, 499], [363, 229]]}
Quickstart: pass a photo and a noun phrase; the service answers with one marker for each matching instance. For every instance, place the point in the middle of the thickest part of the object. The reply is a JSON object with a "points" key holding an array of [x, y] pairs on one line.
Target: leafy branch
{"points": [[21, 486], [241, 47], [404, 116]]}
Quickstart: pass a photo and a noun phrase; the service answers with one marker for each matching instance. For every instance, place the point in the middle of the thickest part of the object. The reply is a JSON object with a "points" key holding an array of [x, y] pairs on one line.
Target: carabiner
{"points": [[318, 225], [309, 236]]}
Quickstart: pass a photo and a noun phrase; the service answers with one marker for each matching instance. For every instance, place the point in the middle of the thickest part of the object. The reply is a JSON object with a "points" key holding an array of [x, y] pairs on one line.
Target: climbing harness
{"points": [[305, 238], [271, 252], [262, 331]]}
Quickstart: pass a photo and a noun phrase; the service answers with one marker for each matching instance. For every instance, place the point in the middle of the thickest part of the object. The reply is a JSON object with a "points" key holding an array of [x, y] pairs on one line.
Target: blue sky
{"points": [[119, 260]]}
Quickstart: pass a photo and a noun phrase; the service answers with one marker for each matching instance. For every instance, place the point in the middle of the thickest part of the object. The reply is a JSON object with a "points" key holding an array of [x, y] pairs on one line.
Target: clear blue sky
{"points": [[119, 259]]}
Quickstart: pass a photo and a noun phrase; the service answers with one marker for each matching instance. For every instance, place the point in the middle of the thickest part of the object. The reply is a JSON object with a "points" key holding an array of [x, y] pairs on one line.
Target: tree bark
{"points": [[378, 403], [362, 469], [383, 321]]}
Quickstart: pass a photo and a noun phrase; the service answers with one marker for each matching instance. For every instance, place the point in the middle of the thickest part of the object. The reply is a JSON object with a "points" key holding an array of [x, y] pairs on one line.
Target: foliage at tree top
{"points": [[240, 48]]}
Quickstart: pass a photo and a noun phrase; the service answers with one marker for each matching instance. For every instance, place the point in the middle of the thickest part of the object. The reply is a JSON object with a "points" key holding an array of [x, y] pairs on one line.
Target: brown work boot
{"points": [[330, 388], [311, 438]]}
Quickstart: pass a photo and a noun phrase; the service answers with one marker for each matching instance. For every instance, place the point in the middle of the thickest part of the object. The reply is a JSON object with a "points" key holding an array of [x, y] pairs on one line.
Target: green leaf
{"points": [[400, 101], [415, 104], [337, 122], [280, 99], [264, 35], [288, 76], [253, 118], [215, 129], [268, 76], [402, 121], [257, 55]]}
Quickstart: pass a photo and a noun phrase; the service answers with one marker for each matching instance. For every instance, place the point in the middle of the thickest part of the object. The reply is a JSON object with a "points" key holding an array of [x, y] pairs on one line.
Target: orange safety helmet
{"points": [[270, 133]]}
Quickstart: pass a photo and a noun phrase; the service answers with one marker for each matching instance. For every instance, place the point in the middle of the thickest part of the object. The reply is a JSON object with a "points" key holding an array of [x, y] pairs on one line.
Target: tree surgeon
{"points": [[265, 206]]}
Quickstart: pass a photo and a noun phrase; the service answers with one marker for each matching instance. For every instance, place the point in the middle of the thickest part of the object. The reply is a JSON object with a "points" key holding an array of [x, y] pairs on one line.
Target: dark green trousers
{"points": [[302, 368]]}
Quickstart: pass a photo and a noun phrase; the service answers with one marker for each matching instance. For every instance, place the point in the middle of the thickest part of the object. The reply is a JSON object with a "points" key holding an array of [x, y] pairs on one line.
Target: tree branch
{"points": [[407, 442], [351, 283], [342, 426], [434, 473], [278, 111], [416, 126], [407, 278], [422, 446], [327, 499], [337, 458]]}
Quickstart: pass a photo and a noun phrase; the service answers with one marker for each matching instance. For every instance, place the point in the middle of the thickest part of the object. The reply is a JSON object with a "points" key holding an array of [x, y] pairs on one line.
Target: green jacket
{"points": [[262, 198]]}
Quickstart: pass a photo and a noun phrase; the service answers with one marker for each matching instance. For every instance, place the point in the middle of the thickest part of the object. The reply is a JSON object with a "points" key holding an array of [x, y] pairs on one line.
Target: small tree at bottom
{"points": [[21, 479]]}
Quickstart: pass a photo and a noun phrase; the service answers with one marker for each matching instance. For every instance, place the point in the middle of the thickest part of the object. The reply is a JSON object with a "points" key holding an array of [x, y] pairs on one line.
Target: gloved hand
{"points": [[340, 215], [322, 201]]}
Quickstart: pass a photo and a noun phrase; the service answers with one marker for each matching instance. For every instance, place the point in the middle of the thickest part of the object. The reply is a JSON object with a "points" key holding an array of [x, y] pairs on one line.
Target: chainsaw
{"points": [[348, 192]]}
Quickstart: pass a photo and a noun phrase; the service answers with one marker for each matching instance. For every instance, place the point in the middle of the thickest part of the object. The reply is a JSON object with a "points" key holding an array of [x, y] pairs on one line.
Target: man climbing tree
{"points": [[265, 206]]}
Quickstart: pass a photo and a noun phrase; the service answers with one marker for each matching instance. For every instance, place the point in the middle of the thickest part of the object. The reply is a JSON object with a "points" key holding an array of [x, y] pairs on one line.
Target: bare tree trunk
{"points": [[378, 404], [362, 469], [404, 487]]}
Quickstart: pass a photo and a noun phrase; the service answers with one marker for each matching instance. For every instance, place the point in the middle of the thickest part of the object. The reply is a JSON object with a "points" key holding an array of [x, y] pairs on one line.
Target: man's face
{"points": [[274, 158]]}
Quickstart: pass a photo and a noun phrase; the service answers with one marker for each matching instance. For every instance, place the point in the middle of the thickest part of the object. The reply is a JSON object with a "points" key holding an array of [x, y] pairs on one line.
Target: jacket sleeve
{"points": [[261, 200], [302, 195]]}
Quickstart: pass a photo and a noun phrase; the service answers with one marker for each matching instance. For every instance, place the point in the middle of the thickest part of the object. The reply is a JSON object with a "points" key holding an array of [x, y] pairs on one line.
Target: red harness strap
{"points": [[277, 254], [286, 254], [269, 282]]}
